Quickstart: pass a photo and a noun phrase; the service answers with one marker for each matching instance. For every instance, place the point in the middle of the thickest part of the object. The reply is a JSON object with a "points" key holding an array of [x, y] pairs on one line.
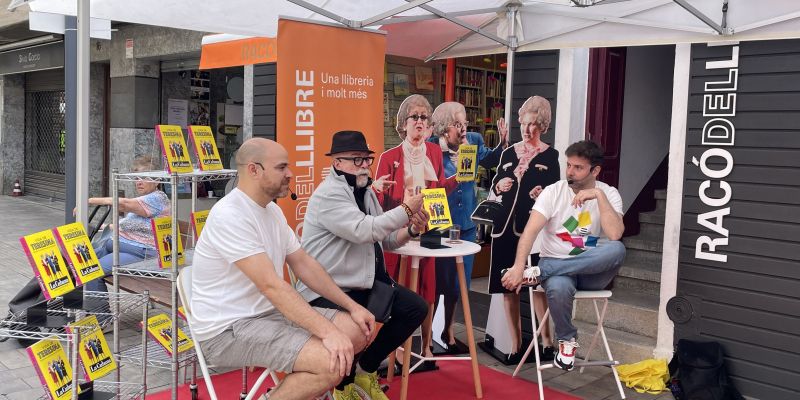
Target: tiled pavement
{"points": [[18, 380]]}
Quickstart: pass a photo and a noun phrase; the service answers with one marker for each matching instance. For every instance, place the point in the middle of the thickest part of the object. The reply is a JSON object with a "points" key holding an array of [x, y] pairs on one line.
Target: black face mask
{"points": [[351, 179]]}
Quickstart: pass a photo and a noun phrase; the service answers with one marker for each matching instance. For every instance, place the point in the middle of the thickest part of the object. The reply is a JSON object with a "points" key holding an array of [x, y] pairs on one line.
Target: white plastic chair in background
{"points": [[185, 293]]}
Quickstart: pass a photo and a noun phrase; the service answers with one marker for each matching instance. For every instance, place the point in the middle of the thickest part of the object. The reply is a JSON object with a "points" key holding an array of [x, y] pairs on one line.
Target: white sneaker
{"points": [[565, 358], [531, 275]]}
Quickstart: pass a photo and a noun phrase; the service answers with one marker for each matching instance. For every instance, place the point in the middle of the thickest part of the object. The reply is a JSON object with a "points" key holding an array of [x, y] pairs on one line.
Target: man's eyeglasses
{"points": [[359, 161], [417, 117], [256, 163]]}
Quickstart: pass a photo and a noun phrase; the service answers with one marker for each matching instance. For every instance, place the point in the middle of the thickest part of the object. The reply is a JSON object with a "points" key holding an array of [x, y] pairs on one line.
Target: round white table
{"points": [[458, 251]]}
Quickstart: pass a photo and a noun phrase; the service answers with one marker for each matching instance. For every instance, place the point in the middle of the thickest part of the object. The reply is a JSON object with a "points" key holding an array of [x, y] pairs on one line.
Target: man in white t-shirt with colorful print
{"points": [[580, 220]]}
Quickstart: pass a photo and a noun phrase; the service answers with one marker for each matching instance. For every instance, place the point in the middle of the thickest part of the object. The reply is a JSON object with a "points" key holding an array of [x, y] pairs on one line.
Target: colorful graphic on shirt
{"points": [[577, 233]]}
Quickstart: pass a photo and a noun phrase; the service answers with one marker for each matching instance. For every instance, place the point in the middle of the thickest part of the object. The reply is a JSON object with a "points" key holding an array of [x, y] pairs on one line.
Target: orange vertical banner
{"points": [[329, 79]]}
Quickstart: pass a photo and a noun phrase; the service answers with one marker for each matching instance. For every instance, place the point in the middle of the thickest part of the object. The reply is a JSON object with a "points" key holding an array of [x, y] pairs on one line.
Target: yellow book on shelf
{"points": [[205, 147], [80, 254], [467, 162], [160, 328], [49, 267], [198, 222], [52, 365], [173, 146], [95, 355], [435, 203], [162, 232]]}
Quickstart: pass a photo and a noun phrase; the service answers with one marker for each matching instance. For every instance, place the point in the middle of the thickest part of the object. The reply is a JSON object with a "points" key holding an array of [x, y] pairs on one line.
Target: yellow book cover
{"points": [[48, 266], [198, 222], [182, 313], [174, 148], [435, 203], [160, 328], [95, 355], [80, 254], [162, 231], [205, 147], [51, 363], [467, 162]]}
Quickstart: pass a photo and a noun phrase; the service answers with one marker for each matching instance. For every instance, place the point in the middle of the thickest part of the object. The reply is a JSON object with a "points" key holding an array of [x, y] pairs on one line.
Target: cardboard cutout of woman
{"points": [[414, 163], [524, 170]]}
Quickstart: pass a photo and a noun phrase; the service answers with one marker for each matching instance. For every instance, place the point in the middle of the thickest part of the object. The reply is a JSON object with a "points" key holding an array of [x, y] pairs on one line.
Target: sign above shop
{"points": [[35, 58], [221, 51]]}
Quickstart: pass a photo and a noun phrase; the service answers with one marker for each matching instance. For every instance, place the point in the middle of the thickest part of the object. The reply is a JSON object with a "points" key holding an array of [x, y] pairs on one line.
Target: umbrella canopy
{"points": [[447, 28]]}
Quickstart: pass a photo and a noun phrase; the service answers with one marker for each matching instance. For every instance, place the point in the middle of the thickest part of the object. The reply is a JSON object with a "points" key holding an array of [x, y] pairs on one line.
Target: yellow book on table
{"points": [[467, 163], [162, 232], [435, 203], [95, 355], [52, 365], [205, 147], [80, 254], [173, 147], [49, 267], [160, 328]]}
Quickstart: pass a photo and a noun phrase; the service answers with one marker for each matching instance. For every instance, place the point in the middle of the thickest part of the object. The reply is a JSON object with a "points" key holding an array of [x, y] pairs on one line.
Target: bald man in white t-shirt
{"points": [[243, 311], [580, 220]]}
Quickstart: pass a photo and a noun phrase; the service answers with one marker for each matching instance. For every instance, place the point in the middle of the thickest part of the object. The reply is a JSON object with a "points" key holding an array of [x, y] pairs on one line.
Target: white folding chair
{"points": [[595, 296], [185, 293]]}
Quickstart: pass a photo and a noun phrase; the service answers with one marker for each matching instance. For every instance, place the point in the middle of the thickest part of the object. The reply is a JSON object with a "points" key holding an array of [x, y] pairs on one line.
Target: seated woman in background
{"points": [[136, 240]]}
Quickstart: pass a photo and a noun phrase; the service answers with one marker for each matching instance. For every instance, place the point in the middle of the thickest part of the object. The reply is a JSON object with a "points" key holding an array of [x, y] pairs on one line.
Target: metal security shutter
{"points": [[746, 293], [44, 133], [264, 89], [51, 79]]}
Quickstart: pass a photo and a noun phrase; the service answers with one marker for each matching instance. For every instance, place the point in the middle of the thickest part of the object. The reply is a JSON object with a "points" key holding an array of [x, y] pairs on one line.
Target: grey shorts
{"points": [[267, 340]]}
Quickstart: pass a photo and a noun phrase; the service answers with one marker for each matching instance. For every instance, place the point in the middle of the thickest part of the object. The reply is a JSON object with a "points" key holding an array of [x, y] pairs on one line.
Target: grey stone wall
{"points": [[148, 42], [129, 143], [12, 131]]}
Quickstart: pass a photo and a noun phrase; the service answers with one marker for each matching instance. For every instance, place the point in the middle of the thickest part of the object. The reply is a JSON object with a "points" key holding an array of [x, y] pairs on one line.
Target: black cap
{"points": [[348, 141]]}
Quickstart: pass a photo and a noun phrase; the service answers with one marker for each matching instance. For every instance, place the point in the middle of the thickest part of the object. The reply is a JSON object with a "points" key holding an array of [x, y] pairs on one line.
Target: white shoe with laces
{"points": [[530, 275], [565, 358]]}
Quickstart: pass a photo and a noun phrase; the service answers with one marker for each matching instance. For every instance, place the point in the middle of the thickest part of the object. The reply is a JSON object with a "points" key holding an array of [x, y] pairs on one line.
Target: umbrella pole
{"points": [[511, 15]]}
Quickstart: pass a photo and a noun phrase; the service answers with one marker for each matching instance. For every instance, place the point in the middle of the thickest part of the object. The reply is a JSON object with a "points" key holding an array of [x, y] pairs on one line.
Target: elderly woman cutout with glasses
{"points": [[413, 164], [449, 123]]}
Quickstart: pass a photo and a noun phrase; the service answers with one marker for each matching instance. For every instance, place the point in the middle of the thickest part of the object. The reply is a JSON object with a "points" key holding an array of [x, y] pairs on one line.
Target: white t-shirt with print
{"points": [[236, 228], [570, 231]]}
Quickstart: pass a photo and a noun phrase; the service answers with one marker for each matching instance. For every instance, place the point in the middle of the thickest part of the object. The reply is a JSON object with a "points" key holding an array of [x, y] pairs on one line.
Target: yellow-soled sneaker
{"points": [[350, 392], [369, 382]]}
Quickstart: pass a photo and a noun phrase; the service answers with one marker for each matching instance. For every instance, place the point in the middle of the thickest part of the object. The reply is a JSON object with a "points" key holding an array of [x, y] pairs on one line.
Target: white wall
{"points": [[645, 117]]}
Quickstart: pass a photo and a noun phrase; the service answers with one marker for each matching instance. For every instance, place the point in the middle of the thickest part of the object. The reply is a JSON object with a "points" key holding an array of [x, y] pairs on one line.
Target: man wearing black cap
{"points": [[346, 230]]}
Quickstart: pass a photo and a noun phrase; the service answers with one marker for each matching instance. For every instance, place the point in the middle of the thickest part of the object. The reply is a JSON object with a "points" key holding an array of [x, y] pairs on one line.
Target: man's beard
{"points": [[362, 178]]}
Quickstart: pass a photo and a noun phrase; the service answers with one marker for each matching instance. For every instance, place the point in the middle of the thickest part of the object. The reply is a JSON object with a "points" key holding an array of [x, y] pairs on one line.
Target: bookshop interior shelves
{"points": [[482, 93], [149, 268]]}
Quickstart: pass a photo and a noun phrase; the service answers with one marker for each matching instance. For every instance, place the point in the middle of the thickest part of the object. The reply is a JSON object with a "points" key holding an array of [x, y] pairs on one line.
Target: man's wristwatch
{"points": [[411, 232]]}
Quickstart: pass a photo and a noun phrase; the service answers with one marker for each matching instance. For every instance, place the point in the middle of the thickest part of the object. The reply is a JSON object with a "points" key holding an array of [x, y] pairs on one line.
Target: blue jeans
{"points": [[128, 254], [593, 269]]}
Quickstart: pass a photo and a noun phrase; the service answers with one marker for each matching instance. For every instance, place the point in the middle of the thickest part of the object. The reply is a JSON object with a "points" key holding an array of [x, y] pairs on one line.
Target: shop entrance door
{"points": [[45, 136]]}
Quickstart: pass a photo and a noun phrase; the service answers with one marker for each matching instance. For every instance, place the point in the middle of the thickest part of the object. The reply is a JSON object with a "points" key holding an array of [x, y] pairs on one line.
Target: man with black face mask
{"points": [[346, 230]]}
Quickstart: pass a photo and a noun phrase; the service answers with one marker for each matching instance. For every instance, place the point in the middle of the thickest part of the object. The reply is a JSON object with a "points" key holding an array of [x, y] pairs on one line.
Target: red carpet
{"points": [[452, 381]]}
